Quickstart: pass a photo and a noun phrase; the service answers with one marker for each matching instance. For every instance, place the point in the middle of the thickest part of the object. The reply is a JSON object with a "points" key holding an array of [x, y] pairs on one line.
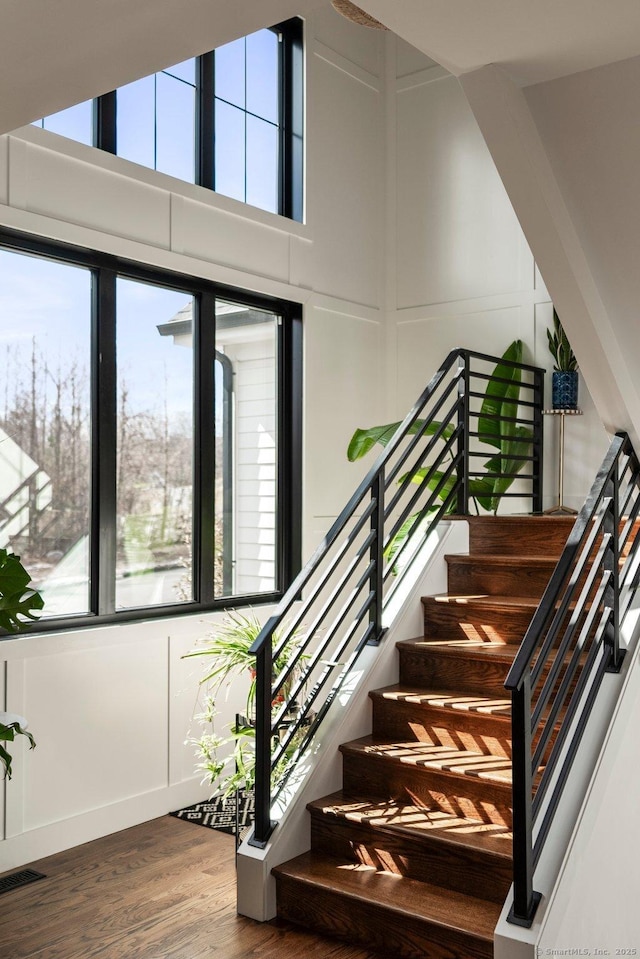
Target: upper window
{"points": [[230, 120], [149, 436]]}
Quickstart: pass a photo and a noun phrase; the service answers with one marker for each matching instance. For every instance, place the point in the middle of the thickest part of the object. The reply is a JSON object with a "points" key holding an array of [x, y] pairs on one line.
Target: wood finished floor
{"points": [[161, 890]]}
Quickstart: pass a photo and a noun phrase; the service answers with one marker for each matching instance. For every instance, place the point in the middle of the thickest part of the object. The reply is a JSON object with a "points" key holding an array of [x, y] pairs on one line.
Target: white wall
{"points": [[111, 707], [464, 274]]}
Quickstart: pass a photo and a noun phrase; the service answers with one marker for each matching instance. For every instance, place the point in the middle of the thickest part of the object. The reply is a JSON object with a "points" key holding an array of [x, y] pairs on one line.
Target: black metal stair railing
{"points": [[572, 641], [306, 652]]}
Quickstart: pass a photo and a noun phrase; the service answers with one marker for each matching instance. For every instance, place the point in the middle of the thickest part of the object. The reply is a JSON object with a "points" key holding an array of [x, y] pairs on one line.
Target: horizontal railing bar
{"points": [[311, 597], [321, 616], [345, 577], [506, 401], [500, 417], [363, 490], [523, 476], [435, 519], [498, 436], [563, 648], [629, 521], [407, 479], [596, 678], [564, 607], [472, 354], [315, 723], [512, 456], [420, 488], [320, 682], [567, 679], [564, 610], [391, 474], [420, 515], [563, 732], [525, 653]]}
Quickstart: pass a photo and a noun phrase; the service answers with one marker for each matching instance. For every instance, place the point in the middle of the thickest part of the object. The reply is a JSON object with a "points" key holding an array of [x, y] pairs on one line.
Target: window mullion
{"points": [[104, 122], [204, 453], [104, 443], [205, 80], [289, 504]]}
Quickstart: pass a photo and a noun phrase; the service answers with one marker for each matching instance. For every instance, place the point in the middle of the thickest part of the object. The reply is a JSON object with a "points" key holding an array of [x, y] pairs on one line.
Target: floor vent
{"points": [[7, 883]]}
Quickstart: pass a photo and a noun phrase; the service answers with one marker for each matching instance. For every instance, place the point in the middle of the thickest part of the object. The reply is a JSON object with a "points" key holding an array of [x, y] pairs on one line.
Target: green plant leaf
{"points": [[8, 734], [501, 398], [507, 462], [364, 440], [19, 604]]}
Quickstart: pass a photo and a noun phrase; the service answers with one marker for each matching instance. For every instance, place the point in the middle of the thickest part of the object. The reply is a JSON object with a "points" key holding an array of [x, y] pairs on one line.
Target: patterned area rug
{"points": [[227, 815]]}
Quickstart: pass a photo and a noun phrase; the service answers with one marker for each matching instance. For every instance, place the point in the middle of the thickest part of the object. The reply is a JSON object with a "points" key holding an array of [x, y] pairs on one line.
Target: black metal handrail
{"points": [[573, 639], [306, 651]]}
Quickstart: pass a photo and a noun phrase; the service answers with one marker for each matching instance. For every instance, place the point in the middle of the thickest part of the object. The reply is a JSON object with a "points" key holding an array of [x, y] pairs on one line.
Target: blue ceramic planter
{"points": [[564, 390]]}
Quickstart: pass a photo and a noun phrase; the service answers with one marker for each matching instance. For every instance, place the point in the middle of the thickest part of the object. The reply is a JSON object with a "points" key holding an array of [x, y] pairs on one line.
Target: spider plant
{"points": [[228, 646]]}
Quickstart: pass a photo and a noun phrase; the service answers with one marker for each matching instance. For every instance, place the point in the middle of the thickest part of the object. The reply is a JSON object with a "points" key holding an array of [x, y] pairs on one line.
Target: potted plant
{"points": [[19, 605], [509, 449], [564, 395], [228, 647]]}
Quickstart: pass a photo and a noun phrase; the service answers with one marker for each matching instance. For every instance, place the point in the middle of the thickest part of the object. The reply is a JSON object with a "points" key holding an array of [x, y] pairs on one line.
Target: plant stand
{"points": [[560, 509]]}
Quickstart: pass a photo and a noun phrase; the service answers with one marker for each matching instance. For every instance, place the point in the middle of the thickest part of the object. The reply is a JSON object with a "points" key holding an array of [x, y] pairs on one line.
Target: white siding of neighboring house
{"points": [[254, 485]]}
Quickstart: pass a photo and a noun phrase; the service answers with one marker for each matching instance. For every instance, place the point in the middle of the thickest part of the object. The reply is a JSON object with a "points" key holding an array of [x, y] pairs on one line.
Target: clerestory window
{"points": [[149, 436], [230, 120]]}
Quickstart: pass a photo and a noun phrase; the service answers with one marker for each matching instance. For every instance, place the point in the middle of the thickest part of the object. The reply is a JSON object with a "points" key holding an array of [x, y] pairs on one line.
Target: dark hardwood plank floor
{"points": [[161, 890]]}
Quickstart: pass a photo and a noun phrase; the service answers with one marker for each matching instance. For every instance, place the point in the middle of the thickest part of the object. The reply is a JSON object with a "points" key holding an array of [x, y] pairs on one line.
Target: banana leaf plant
{"points": [[497, 428]]}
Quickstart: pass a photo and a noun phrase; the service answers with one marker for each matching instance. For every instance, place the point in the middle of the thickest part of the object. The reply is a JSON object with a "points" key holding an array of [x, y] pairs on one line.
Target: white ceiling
{"points": [[57, 52], [534, 40]]}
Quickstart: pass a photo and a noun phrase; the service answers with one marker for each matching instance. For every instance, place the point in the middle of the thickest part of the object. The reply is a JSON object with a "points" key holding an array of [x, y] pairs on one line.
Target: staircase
{"points": [[413, 857]]}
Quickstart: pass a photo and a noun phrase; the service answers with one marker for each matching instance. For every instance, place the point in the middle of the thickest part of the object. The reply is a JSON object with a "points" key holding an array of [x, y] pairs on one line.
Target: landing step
{"points": [[395, 915], [539, 535]]}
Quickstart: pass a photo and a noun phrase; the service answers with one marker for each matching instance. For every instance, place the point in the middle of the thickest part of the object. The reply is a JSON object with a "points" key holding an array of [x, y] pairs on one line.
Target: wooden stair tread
{"points": [[483, 600], [462, 648], [499, 559], [394, 894], [460, 762], [446, 699], [416, 822]]}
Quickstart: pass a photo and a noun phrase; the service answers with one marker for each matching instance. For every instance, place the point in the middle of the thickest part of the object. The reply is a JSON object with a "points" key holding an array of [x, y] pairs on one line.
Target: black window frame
{"points": [[106, 269], [291, 125]]}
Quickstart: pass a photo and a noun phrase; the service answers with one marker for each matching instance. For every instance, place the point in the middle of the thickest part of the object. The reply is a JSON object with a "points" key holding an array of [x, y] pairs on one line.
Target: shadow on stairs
{"points": [[413, 857]]}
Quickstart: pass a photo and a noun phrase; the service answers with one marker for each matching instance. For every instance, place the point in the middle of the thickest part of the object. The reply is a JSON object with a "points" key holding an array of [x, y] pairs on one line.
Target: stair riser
{"points": [[425, 668], [406, 721], [458, 794], [458, 868], [508, 536], [373, 926], [473, 621], [504, 579]]}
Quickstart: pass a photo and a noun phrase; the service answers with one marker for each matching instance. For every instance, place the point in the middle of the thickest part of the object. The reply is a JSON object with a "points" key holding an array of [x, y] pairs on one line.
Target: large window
{"points": [[150, 436], [230, 120]]}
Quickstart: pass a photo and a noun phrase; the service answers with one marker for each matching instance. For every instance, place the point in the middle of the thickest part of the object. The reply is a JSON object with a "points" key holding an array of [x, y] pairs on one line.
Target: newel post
{"points": [[525, 900], [462, 506], [264, 667]]}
